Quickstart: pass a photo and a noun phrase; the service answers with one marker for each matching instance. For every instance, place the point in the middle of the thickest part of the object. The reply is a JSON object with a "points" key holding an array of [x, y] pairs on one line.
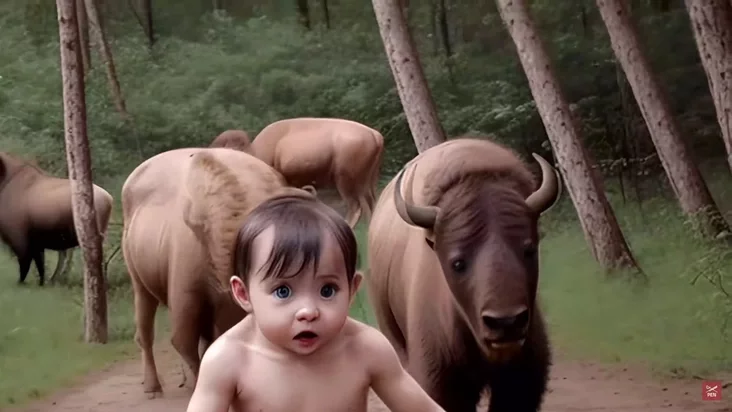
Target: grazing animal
{"points": [[232, 139], [326, 152], [37, 214], [182, 209], [453, 272]]}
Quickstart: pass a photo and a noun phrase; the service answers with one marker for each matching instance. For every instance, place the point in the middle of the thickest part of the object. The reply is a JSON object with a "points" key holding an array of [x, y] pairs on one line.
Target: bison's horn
{"points": [[551, 186], [424, 217]]}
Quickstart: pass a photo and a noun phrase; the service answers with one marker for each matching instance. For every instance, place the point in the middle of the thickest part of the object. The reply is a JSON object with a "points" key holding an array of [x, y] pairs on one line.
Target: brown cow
{"points": [[232, 139], [181, 210], [37, 214], [453, 272], [326, 152]]}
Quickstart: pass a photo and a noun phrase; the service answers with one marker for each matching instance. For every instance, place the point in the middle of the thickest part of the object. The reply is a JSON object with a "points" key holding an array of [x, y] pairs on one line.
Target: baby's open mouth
{"points": [[306, 335]]}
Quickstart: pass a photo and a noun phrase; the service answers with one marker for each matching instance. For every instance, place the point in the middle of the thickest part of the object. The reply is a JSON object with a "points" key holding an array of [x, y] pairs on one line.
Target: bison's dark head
{"points": [[484, 233]]}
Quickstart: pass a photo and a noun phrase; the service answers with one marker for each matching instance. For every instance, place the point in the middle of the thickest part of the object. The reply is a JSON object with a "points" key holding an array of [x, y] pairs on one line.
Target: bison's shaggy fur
{"points": [[453, 270]]}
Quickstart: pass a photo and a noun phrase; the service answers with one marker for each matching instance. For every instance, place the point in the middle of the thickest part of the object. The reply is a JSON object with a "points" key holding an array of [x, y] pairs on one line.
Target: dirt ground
{"points": [[574, 386]]}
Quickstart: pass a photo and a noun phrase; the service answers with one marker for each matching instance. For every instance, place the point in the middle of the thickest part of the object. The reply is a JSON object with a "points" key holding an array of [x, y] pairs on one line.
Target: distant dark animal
{"points": [[36, 214], [453, 273]]}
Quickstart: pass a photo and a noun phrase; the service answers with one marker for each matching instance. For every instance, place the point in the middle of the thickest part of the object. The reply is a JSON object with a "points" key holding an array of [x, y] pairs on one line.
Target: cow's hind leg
{"points": [[353, 213], [24, 264], [38, 258], [64, 256], [145, 307]]}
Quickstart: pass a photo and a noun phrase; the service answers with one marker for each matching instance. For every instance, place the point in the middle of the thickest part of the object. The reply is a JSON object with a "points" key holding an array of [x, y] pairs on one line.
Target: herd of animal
{"points": [[452, 246]]}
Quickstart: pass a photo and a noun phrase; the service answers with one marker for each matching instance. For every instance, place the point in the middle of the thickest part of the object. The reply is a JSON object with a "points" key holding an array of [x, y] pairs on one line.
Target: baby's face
{"points": [[305, 312]]}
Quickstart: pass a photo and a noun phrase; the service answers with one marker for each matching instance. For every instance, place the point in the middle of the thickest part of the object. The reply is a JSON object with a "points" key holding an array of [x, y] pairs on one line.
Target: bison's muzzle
{"points": [[500, 331]]}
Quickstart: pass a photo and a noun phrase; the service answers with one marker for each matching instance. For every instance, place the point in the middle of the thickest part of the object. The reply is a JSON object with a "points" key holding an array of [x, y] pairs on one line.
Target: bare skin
{"points": [[267, 363]]}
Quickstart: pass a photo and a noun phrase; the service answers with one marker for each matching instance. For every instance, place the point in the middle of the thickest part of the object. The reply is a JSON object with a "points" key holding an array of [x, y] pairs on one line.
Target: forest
{"points": [[634, 109]]}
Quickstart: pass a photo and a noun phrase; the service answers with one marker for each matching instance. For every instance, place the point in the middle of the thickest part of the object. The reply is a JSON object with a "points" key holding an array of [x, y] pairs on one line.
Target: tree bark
{"points": [[411, 84], [711, 22], [79, 166], [83, 24], [149, 27], [600, 227], [685, 178], [303, 12], [326, 13], [97, 30]]}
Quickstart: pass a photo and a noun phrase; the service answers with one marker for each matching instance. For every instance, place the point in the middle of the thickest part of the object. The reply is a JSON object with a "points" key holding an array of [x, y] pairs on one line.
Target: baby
{"points": [[298, 350]]}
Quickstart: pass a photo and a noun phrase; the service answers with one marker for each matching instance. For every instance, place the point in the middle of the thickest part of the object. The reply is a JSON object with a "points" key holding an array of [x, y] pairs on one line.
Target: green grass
{"points": [[41, 336]]}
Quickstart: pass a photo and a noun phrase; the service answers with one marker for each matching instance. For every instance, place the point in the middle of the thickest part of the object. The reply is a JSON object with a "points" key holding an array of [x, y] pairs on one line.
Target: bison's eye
{"points": [[459, 265]]}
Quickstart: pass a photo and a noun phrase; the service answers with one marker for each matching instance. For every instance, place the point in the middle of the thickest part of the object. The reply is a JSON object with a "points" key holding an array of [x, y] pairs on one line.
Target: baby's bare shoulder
{"points": [[223, 351], [230, 348], [367, 340]]}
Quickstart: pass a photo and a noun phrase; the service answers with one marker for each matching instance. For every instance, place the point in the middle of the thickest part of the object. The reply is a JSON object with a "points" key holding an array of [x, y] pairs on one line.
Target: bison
{"points": [[37, 214], [181, 212], [326, 152], [453, 273]]}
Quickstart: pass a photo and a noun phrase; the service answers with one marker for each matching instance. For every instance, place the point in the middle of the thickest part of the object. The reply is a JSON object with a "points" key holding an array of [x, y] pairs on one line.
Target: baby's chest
{"points": [[282, 390]]}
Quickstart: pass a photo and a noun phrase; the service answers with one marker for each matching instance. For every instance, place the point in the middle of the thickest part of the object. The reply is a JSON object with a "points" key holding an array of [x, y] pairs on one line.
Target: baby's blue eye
{"points": [[328, 291], [282, 292]]}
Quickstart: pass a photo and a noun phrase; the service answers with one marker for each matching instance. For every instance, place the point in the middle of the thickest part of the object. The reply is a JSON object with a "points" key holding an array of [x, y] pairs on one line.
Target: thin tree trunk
{"points": [[445, 29], [711, 21], [79, 165], [434, 27], [83, 24], [406, 68], [97, 30], [598, 222], [149, 27], [326, 13], [303, 12], [685, 178]]}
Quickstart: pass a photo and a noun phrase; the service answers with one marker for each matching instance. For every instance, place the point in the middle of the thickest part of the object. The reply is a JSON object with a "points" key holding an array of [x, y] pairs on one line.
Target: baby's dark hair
{"points": [[299, 224]]}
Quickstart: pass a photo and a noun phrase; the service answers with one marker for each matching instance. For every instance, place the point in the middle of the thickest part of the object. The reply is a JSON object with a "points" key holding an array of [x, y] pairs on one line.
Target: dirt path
{"points": [[574, 386]]}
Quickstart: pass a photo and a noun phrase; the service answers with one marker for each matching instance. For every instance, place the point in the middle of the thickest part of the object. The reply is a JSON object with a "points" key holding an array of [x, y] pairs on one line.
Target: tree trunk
{"points": [[445, 29], [83, 24], [598, 222], [97, 30], [79, 165], [326, 13], [711, 21], [411, 84], [685, 178], [149, 27], [303, 12]]}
